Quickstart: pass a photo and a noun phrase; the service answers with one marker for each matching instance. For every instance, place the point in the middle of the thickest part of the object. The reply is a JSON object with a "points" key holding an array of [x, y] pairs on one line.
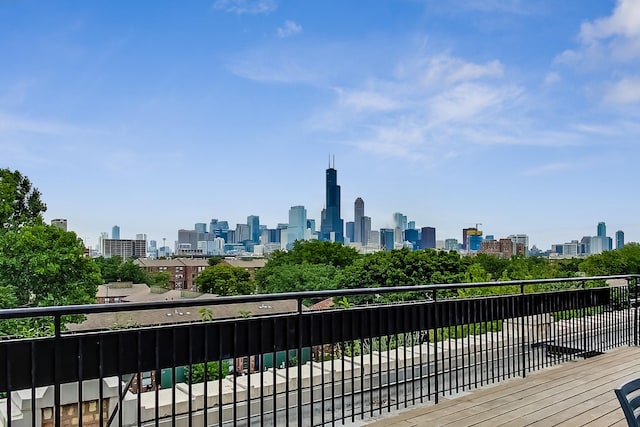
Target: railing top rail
{"points": [[15, 313]]}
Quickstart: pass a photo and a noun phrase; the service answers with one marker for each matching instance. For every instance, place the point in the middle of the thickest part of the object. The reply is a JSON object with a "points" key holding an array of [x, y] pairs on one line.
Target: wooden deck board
{"points": [[575, 393]]}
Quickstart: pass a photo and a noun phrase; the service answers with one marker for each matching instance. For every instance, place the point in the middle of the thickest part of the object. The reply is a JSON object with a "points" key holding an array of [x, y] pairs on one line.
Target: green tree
{"points": [[215, 260], [160, 279], [606, 263], [223, 279], [20, 202], [130, 272], [116, 269], [109, 267], [42, 265], [298, 277]]}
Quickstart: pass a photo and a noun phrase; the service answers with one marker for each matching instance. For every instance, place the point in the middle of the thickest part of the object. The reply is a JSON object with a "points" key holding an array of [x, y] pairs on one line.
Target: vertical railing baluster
{"points": [[299, 359], [80, 376], [522, 330], [57, 325], [436, 384]]}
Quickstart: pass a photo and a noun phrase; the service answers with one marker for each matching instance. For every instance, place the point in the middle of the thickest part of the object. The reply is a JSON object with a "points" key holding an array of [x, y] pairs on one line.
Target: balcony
{"points": [[352, 365]]}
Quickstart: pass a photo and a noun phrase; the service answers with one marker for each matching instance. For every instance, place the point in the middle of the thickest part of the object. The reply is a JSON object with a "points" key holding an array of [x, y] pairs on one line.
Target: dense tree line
{"points": [[40, 265]]}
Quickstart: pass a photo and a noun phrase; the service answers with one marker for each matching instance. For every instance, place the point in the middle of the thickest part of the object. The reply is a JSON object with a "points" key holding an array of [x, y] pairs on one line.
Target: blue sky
{"points": [[521, 115]]}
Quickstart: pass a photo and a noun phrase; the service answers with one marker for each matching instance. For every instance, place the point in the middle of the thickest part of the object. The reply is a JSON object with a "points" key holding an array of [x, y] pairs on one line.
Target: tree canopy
{"points": [[40, 265], [117, 269], [20, 202], [225, 280]]}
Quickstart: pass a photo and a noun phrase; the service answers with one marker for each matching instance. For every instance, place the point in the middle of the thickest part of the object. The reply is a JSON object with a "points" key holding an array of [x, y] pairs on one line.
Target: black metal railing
{"points": [[306, 367]]}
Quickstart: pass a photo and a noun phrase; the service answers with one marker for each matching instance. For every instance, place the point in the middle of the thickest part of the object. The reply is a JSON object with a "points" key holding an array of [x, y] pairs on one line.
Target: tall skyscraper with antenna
{"points": [[332, 226]]}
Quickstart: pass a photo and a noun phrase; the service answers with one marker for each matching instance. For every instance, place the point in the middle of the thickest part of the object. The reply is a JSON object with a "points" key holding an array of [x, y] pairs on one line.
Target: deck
{"points": [[576, 393]]}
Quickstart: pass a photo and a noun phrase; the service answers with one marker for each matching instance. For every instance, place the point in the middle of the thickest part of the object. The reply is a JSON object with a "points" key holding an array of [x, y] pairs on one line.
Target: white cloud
{"points": [[241, 7], [365, 100], [624, 91], [610, 45], [288, 29], [430, 109], [551, 78], [625, 22]]}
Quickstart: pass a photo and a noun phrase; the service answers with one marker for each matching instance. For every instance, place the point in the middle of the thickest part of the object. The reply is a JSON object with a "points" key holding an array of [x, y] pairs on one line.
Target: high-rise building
{"points": [[331, 221], [242, 233], [474, 238], [60, 223], [599, 244], [428, 238], [125, 248], [141, 236], [412, 235], [602, 230], [619, 239], [451, 245], [115, 232], [311, 225], [297, 225], [400, 221], [358, 221], [200, 227], [387, 239], [465, 238], [349, 230], [253, 221], [366, 230], [521, 239]]}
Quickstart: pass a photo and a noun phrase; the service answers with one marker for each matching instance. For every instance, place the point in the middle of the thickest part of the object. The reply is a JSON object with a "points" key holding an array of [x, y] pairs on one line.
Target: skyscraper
{"points": [[253, 221], [115, 233], [400, 221], [200, 227], [349, 230], [602, 229], [358, 223], [297, 225], [387, 239], [619, 239], [331, 221], [428, 238], [366, 230]]}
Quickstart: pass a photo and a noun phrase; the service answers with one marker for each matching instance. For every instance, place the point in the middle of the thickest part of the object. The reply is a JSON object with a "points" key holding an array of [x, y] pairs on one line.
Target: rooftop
{"points": [[575, 393]]}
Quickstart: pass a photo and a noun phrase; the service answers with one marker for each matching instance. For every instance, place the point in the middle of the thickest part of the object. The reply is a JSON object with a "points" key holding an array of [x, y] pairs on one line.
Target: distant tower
{"points": [[331, 221], [428, 239], [619, 239], [297, 225], [400, 221], [115, 233], [253, 221], [60, 223], [602, 229], [358, 221]]}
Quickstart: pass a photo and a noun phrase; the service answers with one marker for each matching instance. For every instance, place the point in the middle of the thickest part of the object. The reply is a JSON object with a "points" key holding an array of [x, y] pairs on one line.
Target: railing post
{"points": [[584, 320], [435, 347], [300, 364], [57, 327], [635, 311], [522, 331]]}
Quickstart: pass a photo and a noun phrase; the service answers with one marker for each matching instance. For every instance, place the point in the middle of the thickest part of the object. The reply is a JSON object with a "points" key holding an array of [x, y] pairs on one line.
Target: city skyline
{"points": [[453, 113]]}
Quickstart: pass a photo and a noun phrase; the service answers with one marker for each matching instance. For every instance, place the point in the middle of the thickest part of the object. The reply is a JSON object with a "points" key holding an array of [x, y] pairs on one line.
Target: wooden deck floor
{"points": [[577, 393]]}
